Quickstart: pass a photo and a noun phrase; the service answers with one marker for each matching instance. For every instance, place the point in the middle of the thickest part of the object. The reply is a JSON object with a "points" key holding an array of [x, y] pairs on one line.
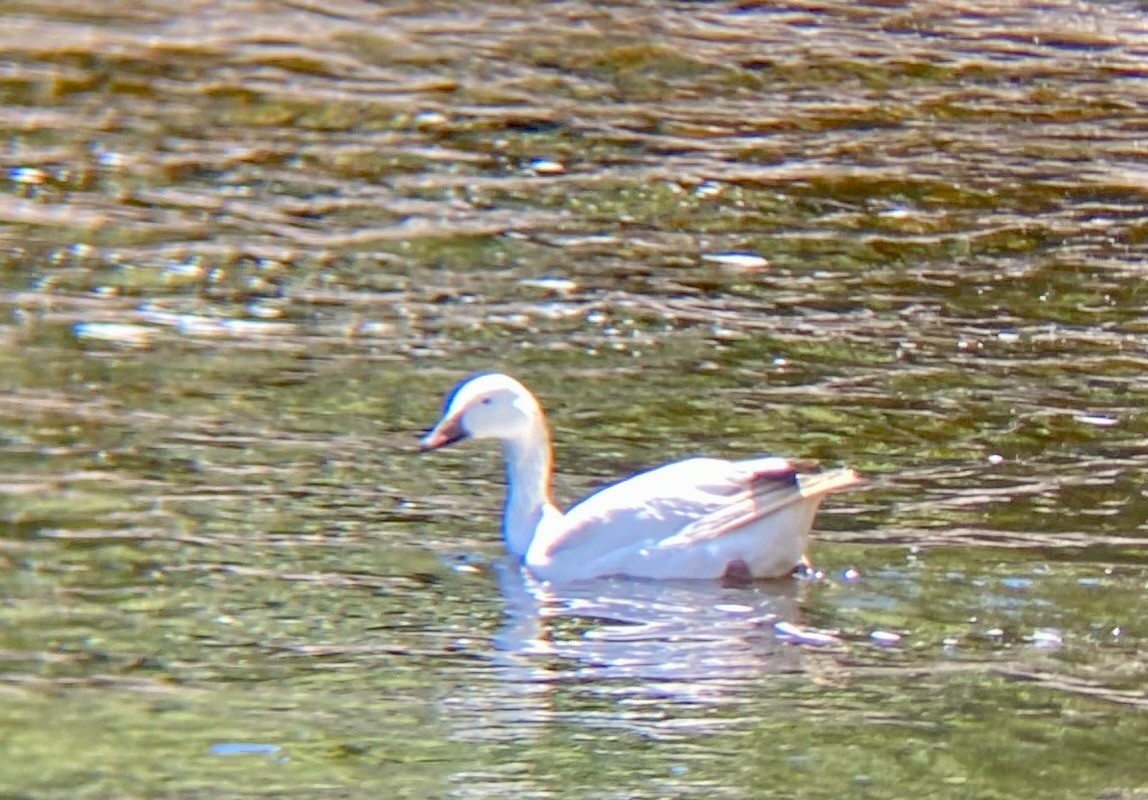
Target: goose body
{"points": [[699, 518]]}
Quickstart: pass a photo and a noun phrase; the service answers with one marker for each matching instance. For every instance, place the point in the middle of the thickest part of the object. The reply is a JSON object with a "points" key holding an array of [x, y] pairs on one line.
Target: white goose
{"points": [[699, 518]]}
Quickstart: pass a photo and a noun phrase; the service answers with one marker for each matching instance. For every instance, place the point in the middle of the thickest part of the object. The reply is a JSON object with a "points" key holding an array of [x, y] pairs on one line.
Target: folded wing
{"points": [[660, 506], [764, 494]]}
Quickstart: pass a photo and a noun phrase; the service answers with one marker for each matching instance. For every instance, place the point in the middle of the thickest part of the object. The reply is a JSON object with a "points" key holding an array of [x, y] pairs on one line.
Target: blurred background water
{"points": [[246, 246]]}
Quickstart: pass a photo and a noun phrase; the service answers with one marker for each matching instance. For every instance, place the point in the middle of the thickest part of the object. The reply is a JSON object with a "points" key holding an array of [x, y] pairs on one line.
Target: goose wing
{"points": [[673, 505], [764, 494]]}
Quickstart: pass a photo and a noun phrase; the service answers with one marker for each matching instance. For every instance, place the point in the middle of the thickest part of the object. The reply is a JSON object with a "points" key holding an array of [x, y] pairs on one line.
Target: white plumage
{"points": [[699, 518]]}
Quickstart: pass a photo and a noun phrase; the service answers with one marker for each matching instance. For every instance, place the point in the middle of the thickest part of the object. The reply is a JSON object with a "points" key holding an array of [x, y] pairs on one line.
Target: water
{"points": [[245, 248]]}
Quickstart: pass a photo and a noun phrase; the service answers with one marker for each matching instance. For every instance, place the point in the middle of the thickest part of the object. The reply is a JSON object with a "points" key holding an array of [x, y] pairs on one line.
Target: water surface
{"points": [[245, 247]]}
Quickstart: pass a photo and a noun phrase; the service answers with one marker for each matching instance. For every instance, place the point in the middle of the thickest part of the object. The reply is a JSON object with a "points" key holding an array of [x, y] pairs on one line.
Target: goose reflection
{"points": [[657, 651]]}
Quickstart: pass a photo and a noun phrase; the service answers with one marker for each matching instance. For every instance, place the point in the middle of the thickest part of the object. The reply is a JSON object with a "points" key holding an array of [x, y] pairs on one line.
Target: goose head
{"points": [[486, 406]]}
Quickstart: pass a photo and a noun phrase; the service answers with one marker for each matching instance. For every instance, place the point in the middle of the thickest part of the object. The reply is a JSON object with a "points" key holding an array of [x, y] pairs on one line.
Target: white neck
{"points": [[527, 487]]}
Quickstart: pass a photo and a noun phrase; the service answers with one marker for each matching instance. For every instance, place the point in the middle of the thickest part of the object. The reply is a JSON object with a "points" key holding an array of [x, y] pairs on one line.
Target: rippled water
{"points": [[246, 246]]}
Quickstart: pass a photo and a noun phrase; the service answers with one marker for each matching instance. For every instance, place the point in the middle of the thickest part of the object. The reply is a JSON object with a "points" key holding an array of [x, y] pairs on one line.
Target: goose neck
{"points": [[528, 465]]}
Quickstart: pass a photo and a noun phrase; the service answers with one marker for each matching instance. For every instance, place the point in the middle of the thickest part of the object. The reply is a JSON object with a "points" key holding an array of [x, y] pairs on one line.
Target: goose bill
{"points": [[447, 432]]}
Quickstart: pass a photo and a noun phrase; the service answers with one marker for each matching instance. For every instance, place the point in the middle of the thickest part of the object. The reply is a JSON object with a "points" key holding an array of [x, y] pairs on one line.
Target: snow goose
{"points": [[700, 518]]}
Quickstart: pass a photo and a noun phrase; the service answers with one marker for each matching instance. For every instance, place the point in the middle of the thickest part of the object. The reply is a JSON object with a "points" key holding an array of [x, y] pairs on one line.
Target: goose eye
{"points": [[486, 401]]}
